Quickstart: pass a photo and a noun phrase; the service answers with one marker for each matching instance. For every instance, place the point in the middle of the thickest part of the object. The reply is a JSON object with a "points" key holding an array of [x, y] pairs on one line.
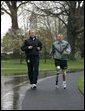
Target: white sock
{"points": [[34, 84], [64, 82]]}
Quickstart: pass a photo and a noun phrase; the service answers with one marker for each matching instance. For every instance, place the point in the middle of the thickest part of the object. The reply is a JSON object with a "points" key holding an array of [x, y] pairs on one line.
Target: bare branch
{"points": [[43, 15], [62, 21], [49, 11], [67, 2], [64, 6], [22, 3], [5, 11], [8, 4]]}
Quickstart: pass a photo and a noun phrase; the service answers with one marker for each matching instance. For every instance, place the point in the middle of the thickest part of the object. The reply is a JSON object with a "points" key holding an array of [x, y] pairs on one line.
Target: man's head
{"points": [[60, 37], [31, 33]]}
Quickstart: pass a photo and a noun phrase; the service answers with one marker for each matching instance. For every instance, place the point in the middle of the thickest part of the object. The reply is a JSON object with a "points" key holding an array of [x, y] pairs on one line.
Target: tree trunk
{"points": [[13, 11], [71, 37], [14, 20], [82, 53]]}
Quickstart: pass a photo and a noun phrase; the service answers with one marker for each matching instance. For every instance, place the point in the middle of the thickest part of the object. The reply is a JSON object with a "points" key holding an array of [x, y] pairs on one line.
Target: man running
{"points": [[32, 47], [60, 51]]}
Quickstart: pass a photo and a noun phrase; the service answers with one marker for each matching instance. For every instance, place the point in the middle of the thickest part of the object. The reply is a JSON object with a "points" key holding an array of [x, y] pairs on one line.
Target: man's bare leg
{"points": [[64, 77]]}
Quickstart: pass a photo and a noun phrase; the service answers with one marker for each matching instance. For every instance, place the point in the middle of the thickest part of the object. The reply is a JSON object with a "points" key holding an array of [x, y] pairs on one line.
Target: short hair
{"points": [[60, 34], [31, 30]]}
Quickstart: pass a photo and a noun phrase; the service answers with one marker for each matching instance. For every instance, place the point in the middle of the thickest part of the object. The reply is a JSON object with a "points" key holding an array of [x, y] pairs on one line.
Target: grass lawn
{"points": [[14, 66], [81, 84]]}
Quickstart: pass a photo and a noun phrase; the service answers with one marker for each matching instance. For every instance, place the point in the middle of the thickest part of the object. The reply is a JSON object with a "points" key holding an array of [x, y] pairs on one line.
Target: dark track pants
{"points": [[33, 68]]}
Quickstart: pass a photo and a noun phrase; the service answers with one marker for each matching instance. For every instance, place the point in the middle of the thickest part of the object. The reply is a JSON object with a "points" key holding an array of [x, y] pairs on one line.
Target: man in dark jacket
{"points": [[32, 46]]}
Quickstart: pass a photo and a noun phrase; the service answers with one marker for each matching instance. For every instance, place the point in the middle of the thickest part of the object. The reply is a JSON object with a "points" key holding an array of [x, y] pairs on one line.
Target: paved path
{"points": [[47, 97]]}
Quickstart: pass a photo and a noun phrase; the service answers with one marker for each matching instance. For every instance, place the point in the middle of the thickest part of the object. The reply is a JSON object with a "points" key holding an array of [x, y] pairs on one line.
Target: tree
{"points": [[7, 43], [11, 44], [75, 19], [11, 8], [44, 36], [69, 13], [72, 10]]}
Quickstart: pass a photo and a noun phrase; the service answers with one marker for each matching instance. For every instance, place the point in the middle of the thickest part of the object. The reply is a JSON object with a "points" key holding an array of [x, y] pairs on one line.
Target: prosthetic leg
{"points": [[57, 75]]}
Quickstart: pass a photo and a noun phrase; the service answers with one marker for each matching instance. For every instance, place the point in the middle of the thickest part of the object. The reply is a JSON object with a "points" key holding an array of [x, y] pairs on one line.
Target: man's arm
{"points": [[39, 46], [24, 47], [67, 50], [52, 50]]}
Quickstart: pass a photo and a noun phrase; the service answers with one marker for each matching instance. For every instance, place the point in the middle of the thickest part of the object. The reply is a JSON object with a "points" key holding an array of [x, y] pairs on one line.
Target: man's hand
{"points": [[66, 52], [38, 48], [30, 47]]}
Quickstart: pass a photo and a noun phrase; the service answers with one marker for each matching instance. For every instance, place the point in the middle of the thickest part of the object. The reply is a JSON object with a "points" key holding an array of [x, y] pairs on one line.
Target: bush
{"points": [[5, 56]]}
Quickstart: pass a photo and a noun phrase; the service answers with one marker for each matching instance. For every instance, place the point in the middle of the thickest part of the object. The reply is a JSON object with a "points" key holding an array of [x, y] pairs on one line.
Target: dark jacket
{"points": [[30, 42]]}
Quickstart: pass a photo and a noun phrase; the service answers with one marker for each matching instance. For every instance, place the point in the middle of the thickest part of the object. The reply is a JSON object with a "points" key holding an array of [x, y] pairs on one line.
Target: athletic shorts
{"points": [[61, 63]]}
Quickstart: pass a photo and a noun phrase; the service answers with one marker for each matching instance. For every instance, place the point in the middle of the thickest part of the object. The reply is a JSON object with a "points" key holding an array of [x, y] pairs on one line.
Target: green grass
{"points": [[81, 84], [79, 64], [14, 66]]}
